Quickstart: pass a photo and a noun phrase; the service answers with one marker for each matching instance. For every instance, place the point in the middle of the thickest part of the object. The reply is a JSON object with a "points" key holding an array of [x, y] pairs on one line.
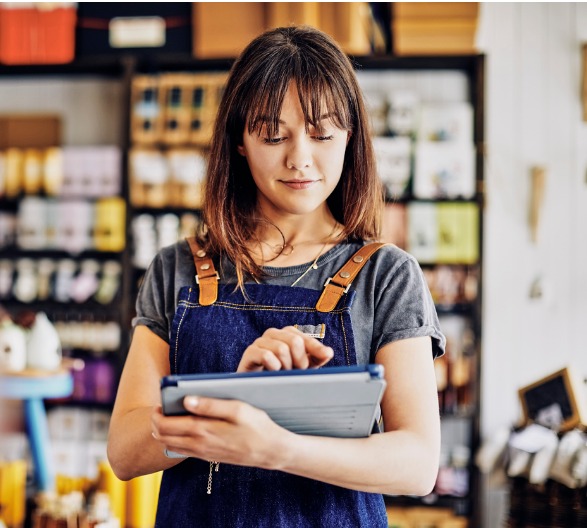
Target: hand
{"points": [[228, 431], [283, 350]]}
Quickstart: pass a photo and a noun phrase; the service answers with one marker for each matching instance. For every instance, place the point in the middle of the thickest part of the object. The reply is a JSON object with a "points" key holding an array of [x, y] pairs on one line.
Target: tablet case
{"points": [[330, 401]]}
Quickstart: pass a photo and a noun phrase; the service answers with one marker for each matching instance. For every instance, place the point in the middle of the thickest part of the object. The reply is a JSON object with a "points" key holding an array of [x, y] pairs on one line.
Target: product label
{"points": [[137, 32]]}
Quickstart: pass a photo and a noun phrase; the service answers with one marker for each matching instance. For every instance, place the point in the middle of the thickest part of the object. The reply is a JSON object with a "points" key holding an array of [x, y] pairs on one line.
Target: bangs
{"points": [[321, 97]]}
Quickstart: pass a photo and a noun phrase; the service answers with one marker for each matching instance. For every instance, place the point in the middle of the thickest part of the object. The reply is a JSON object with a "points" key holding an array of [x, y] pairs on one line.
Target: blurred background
{"points": [[479, 119]]}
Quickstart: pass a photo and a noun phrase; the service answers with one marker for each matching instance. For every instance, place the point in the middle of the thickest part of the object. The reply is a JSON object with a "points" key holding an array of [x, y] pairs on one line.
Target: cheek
{"points": [[261, 162], [334, 159]]}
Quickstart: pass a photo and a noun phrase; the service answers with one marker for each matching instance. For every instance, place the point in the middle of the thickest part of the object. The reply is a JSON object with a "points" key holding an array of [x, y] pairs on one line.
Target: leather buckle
{"points": [[346, 290], [198, 278]]}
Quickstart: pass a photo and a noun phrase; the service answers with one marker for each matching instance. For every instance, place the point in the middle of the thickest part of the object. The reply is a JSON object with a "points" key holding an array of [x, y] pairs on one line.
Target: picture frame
{"points": [[554, 401]]}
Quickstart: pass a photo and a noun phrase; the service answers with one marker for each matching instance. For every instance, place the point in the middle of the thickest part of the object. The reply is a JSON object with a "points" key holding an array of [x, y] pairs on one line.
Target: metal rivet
{"points": [[201, 253], [205, 267], [345, 274], [358, 259]]}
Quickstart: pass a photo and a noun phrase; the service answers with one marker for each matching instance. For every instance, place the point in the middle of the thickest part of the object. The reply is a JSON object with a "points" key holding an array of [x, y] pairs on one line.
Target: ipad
{"points": [[330, 401]]}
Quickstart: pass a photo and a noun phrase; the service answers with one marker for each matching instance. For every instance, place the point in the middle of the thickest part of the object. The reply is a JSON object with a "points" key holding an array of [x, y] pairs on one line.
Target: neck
{"points": [[289, 246]]}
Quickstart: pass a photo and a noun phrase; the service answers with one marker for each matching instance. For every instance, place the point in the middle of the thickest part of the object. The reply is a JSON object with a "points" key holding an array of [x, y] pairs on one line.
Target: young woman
{"points": [[292, 196]]}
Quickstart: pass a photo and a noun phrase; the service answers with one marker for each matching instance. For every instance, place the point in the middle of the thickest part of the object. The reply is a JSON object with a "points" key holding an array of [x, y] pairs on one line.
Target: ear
{"points": [[348, 137], [241, 150]]}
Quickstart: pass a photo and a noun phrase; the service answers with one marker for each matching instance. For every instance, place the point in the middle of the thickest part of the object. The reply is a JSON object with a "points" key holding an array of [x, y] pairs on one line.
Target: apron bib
{"points": [[212, 338]]}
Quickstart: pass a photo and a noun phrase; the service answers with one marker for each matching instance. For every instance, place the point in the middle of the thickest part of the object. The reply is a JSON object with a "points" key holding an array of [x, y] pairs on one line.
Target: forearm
{"points": [[394, 463], [132, 450]]}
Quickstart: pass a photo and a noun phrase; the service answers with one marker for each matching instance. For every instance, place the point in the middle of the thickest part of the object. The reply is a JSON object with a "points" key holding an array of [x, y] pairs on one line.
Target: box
{"points": [[434, 28], [434, 37], [175, 93], [223, 29], [347, 22], [205, 95], [30, 131], [37, 35], [113, 28], [403, 10], [146, 113], [280, 14]]}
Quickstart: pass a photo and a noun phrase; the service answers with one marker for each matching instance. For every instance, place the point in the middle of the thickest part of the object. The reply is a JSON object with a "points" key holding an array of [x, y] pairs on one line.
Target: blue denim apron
{"points": [[213, 339]]}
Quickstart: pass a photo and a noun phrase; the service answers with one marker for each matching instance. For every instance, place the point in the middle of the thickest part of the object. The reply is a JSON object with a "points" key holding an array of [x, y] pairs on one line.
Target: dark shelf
{"points": [[459, 505], [13, 252], [410, 199], [416, 62], [148, 62], [111, 66]]}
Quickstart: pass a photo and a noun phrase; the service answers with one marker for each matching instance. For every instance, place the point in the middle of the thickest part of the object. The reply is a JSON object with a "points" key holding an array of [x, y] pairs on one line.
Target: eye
{"points": [[323, 138], [273, 141]]}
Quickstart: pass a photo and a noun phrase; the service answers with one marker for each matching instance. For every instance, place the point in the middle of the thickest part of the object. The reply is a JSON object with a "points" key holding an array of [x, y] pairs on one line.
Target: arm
{"points": [[402, 460], [132, 450]]}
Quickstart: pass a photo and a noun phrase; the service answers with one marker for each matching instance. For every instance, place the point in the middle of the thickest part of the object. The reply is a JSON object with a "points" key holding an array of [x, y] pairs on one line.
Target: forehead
{"points": [[296, 104]]}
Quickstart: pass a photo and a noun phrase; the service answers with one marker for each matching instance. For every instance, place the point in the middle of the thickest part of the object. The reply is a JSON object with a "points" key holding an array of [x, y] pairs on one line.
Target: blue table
{"points": [[32, 388]]}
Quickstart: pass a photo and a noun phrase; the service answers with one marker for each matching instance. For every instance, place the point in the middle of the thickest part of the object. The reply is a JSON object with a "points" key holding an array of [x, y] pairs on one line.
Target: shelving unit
{"points": [[462, 426]]}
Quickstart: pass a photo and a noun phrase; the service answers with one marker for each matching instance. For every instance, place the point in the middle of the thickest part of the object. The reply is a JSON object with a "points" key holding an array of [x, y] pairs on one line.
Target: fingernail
{"points": [[191, 401]]}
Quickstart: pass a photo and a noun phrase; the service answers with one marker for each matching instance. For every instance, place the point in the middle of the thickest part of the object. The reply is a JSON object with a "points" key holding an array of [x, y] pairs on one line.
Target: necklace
{"points": [[280, 249], [314, 264]]}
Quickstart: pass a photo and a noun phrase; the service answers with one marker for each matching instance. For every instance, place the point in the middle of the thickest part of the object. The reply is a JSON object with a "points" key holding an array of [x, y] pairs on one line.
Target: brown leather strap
{"points": [[206, 275], [336, 286]]}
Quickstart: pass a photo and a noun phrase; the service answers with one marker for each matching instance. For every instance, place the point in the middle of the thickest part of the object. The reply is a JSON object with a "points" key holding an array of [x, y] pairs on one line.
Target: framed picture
{"points": [[555, 401]]}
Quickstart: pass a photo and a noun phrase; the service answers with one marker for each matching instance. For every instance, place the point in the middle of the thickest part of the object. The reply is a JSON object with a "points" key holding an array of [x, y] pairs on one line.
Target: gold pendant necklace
{"points": [[314, 264]]}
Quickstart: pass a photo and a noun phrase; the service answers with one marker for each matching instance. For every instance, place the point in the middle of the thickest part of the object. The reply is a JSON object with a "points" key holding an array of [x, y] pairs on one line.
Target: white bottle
{"points": [[44, 346]]}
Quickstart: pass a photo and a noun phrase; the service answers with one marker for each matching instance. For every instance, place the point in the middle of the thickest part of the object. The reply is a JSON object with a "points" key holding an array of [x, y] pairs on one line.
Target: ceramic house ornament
{"points": [[13, 347], [44, 346]]}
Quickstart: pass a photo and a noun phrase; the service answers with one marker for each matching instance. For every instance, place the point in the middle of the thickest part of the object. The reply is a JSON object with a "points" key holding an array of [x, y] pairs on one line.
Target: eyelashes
{"points": [[278, 140]]}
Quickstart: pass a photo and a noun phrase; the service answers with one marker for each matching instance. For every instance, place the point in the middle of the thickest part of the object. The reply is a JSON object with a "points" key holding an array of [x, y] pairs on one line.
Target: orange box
{"points": [[223, 29], [442, 36], [37, 35], [434, 28], [30, 131], [403, 10]]}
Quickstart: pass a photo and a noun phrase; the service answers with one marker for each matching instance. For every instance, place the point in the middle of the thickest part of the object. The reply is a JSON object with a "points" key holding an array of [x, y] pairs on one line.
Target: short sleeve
{"points": [[150, 304], [405, 309]]}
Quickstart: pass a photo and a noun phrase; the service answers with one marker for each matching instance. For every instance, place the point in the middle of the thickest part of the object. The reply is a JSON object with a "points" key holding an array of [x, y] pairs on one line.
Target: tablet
{"points": [[330, 401]]}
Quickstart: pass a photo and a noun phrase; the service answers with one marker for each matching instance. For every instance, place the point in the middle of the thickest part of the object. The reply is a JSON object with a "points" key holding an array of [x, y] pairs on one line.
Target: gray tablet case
{"points": [[331, 401]]}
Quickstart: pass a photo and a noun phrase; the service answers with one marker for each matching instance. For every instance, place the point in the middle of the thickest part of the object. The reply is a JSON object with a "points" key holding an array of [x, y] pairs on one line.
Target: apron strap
{"points": [[206, 275], [336, 286]]}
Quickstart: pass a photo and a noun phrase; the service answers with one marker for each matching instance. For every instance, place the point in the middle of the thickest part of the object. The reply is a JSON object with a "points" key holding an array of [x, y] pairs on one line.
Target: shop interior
{"points": [[479, 123]]}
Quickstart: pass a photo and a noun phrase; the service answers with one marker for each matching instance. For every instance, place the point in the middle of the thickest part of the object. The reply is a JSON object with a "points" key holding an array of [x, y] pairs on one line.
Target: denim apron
{"points": [[199, 493]]}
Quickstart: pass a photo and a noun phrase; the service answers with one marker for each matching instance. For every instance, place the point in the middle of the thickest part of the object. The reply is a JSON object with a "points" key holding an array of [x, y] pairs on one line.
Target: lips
{"points": [[298, 184]]}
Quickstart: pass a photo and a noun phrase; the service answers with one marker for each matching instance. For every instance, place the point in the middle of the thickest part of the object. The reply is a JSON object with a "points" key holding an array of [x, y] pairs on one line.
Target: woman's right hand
{"points": [[284, 349]]}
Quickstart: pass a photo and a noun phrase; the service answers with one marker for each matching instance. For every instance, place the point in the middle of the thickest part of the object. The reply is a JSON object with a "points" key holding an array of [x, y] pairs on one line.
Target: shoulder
{"points": [[175, 252], [171, 263], [390, 261]]}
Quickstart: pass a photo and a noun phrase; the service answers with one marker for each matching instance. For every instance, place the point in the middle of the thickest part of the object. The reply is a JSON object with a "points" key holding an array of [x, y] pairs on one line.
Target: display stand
{"points": [[32, 387]]}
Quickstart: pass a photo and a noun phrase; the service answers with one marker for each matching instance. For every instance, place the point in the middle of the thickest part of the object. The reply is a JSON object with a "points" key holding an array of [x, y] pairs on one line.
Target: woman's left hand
{"points": [[228, 431]]}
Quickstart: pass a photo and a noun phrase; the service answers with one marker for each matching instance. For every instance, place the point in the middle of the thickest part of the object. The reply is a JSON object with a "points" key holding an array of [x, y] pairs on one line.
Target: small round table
{"points": [[32, 387]]}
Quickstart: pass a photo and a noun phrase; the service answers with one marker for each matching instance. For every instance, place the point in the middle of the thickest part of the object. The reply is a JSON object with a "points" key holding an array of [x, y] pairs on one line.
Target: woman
{"points": [[292, 195]]}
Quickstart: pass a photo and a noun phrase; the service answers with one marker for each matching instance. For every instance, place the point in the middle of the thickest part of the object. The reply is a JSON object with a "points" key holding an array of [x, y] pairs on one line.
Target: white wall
{"points": [[533, 117]]}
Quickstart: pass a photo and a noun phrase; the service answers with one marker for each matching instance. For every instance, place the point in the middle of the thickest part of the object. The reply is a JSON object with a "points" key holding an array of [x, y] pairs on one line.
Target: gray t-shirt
{"points": [[392, 300]]}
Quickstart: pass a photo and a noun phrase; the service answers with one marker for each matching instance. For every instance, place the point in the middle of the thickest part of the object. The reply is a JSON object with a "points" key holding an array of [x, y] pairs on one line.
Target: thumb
{"points": [[216, 408]]}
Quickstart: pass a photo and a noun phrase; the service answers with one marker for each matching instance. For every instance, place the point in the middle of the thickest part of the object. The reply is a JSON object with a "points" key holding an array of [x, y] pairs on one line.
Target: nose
{"points": [[299, 155]]}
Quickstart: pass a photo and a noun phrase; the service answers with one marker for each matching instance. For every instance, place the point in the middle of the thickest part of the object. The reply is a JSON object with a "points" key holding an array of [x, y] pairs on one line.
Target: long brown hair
{"points": [[253, 96]]}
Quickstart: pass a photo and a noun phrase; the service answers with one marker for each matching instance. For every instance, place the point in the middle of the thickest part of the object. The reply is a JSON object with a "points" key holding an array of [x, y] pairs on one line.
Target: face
{"points": [[295, 171]]}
